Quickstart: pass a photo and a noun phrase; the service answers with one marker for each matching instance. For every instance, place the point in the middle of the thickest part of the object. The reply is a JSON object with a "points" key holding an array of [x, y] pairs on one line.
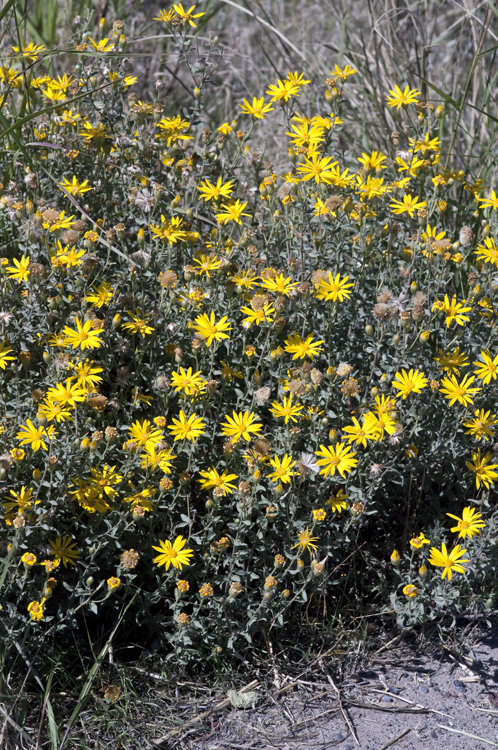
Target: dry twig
{"points": [[339, 698]]}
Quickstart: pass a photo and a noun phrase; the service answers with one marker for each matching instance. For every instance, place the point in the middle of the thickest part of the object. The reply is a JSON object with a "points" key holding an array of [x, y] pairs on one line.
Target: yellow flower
{"points": [[482, 426], [469, 524], [410, 591], [206, 590], [451, 363], [409, 382], [397, 98], [320, 514], [173, 554], [20, 269], [68, 394], [279, 284], [101, 296], [461, 392], [206, 264], [210, 331], [64, 550], [4, 352], [85, 337], [29, 559], [408, 205], [30, 51], [244, 279], [140, 498], [114, 583], [282, 91], [154, 460], [242, 425], [75, 187], [63, 222], [171, 130], [286, 410], [169, 230], [257, 109], [343, 74], [190, 383], [211, 478], [300, 348], [22, 501], [317, 168], [487, 370], [453, 310], [165, 16], [418, 541], [185, 428], [145, 434], [264, 314], [306, 541], [35, 436], [338, 457], [359, 434], [490, 202], [449, 562], [187, 15], [338, 501], [103, 45], [225, 129], [232, 212], [375, 160], [483, 469], [36, 609], [334, 289], [213, 192], [228, 373], [488, 252], [282, 469], [138, 325]]}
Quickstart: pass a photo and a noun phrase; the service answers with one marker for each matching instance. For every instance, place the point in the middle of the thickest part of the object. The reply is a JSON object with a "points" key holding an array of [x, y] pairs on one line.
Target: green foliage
{"points": [[134, 297]]}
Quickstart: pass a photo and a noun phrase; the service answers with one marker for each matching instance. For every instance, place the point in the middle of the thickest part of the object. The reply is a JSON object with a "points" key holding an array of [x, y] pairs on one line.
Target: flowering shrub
{"points": [[225, 390]]}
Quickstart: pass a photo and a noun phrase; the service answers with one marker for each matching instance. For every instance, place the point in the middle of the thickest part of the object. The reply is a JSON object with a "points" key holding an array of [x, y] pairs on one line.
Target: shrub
{"points": [[226, 392]]}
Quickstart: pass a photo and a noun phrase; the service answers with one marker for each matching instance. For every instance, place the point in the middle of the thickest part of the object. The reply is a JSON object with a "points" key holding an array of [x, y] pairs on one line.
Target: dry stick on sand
{"points": [[466, 734], [405, 700], [339, 698], [218, 707], [397, 738]]}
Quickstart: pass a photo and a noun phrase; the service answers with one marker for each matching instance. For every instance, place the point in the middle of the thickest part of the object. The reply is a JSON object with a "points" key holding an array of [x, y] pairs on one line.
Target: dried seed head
{"points": [[382, 311], [262, 395], [129, 559], [384, 296], [466, 236]]}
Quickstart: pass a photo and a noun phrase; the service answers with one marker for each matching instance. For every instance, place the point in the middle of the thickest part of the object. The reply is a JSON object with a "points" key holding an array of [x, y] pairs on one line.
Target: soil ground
{"points": [[433, 699]]}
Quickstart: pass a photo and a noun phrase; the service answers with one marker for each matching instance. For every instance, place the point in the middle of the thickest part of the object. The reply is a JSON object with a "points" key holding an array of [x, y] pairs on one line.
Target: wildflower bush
{"points": [[228, 394]]}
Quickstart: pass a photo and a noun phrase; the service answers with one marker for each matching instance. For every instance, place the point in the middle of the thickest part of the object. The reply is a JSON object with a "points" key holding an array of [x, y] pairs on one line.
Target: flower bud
{"points": [[396, 558]]}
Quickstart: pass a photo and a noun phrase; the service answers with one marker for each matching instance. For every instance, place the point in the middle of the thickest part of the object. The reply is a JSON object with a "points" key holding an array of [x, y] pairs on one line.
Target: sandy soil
{"points": [[431, 699]]}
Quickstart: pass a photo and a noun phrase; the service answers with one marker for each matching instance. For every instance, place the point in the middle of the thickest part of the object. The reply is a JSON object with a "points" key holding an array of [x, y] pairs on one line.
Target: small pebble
{"points": [[458, 684], [423, 690], [339, 737], [393, 690], [405, 674], [387, 699]]}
